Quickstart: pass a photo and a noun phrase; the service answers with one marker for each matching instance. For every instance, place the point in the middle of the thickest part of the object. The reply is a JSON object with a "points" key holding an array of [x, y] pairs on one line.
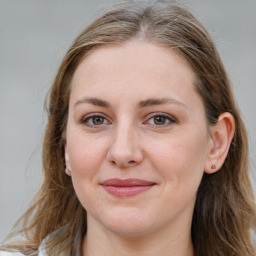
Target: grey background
{"points": [[35, 34]]}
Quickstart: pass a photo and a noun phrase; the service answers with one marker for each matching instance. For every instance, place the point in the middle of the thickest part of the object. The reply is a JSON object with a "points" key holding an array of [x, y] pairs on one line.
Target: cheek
{"points": [[181, 159], [86, 154]]}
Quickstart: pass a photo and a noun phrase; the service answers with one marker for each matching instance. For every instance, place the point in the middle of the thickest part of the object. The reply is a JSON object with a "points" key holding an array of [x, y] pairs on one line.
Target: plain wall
{"points": [[34, 36]]}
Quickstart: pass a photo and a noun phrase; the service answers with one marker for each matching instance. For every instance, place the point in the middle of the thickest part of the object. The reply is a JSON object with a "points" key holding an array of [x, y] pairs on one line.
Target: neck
{"points": [[164, 243]]}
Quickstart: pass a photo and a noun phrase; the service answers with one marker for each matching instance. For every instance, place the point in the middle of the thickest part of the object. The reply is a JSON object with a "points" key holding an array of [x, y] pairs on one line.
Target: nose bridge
{"points": [[124, 138], [125, 132], [125, 148]]}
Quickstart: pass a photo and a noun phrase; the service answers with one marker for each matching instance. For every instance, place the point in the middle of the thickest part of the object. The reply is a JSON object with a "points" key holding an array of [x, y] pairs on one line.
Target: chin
{"points": [[129, 223], [130, 230]]}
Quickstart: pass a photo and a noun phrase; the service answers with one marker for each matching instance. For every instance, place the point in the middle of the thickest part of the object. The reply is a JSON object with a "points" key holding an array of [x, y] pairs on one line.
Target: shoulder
{"points": [[41, 249], [2, 253], [5, 253]]}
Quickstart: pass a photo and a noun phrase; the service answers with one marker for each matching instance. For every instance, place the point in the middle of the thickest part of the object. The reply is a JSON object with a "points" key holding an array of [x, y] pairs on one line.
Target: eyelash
{"points": [[86, 120]]}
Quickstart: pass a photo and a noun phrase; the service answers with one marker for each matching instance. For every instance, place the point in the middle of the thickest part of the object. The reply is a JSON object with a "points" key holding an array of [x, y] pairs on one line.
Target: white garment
{"points": [[2, 253], [41, 249], [40, 253], [11, 254]]}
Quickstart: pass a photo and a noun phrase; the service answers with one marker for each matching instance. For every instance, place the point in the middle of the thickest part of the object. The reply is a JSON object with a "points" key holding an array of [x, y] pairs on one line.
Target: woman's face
{"points": [[136, 140]]}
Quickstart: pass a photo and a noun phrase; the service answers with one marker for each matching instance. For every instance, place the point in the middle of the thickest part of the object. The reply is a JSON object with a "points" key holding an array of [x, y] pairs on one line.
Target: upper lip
{"points": [[126, 182]]}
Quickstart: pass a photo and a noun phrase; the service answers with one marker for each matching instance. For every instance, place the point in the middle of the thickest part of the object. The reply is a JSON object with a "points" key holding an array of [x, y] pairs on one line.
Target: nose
{"points": [[125, 150]]}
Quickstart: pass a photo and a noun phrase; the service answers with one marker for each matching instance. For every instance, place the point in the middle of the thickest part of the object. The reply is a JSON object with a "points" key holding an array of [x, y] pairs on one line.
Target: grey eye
{"points": [[160, 120], [97, 120], [94, 120]]}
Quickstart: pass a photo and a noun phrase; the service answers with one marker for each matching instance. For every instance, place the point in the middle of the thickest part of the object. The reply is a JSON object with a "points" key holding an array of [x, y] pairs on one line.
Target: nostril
{"points": [[113, 162], [131, 162]]}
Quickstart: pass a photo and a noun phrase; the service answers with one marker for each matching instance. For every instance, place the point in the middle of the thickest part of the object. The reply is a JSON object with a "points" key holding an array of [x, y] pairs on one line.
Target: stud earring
{"points": [[213, 166], [68, 171]]}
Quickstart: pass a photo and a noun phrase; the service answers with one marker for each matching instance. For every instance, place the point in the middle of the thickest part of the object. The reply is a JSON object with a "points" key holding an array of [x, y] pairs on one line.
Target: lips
{"points": [[127, 187]]}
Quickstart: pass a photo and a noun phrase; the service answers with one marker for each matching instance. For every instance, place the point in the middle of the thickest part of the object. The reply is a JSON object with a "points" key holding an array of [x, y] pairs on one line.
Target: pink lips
{"points": [[127, 187]]}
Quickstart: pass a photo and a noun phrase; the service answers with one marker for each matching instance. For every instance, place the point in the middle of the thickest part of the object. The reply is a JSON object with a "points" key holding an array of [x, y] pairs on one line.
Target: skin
{"points": [[126, 141]]}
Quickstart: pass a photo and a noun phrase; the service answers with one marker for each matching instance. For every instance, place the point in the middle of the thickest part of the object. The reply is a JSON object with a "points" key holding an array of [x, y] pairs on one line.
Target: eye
{"points": [[161, 119], [94, 120]]}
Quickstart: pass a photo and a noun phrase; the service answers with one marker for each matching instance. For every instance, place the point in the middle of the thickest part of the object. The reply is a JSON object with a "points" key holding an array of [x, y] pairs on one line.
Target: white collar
{"points": [[42, 250]]}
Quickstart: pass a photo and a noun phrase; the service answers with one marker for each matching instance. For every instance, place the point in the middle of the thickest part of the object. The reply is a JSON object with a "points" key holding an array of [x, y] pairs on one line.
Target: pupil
{"points": [[159, 120], [97, 120]]}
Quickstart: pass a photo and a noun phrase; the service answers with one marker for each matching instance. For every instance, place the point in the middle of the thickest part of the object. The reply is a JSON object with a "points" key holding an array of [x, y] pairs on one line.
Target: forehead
{"points": [[135, 68]]}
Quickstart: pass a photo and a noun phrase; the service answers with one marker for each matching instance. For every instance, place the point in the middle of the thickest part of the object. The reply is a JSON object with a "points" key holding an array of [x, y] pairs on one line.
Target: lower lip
{"points": [[126, 191]]}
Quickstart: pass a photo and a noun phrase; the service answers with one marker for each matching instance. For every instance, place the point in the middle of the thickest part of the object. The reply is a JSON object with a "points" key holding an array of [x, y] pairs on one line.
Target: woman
{"points": [[145, 152]]}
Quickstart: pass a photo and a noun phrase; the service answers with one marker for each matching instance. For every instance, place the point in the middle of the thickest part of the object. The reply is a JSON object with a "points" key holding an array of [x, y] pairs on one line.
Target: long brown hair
{"points": [[224, 212]]}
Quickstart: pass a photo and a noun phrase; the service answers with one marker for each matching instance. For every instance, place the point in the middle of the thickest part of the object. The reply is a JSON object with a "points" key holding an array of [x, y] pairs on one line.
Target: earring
{"points": [[68, 171], [213, 166]]}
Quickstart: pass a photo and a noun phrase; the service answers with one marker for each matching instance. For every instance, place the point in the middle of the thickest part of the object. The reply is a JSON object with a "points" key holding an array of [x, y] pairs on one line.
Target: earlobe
{"points": [[221, 137], [67, 169]]}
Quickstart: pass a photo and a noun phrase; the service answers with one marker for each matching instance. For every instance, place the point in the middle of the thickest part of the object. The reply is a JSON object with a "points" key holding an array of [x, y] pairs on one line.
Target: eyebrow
{"points": [[141, 104], [161, 101], [93, 101]]}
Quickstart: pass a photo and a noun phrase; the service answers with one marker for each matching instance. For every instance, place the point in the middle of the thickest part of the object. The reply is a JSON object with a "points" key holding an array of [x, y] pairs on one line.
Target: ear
{"points": [[67, 170], [221, 136]]}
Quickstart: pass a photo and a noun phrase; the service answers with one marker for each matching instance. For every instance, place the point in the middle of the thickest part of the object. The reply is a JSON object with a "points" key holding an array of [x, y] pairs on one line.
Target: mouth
{"points": [[127, 187]]}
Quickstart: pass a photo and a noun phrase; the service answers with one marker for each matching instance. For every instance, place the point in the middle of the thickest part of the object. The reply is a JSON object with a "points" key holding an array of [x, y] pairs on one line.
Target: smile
{"points": [[127, 187]]}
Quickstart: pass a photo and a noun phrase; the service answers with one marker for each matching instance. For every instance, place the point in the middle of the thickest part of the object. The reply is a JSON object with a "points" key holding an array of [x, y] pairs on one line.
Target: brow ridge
{"points": [[159, 101], [94, 101], [144, 103]]}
